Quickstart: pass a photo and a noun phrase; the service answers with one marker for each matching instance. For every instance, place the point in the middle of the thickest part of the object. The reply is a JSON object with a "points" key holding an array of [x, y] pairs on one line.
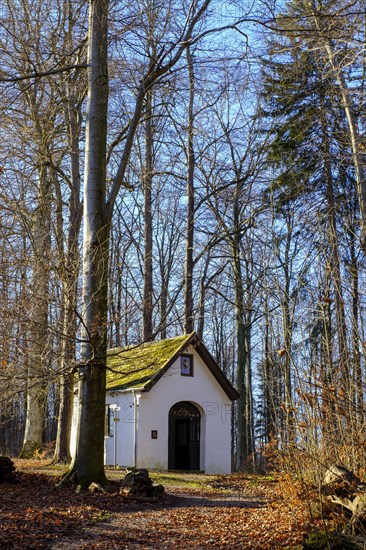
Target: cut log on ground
{"points": [[343, 488], [337, 474], [138, 484]]}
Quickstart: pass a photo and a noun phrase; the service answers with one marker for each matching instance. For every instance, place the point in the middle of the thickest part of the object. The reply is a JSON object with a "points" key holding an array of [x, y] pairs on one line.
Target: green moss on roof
{"points": [[135, 366]]}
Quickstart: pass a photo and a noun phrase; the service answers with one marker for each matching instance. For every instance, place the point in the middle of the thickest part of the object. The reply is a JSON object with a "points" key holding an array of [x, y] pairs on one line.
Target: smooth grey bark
{"points": [[70, 264], [69, 322], [37, 384], [88, 463]]}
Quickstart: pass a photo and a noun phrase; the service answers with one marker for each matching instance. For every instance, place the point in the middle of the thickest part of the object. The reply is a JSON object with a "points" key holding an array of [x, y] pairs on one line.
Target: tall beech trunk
{"points": [[88, 463], [289, 435], [71, 267], [357, 368], [188, 291], [327, 374], [68, 343], [334, 265], [244, 420], [244, 443], [270, 381], [148, 238], [38, 359]]}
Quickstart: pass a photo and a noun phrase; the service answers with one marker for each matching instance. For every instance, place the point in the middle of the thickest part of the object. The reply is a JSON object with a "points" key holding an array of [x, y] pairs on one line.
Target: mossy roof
{"points": [[140, 367], [136, 366]]}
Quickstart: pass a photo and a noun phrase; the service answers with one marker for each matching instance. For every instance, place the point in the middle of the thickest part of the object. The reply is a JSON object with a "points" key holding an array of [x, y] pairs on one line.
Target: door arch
{"points": [[184, 437]]}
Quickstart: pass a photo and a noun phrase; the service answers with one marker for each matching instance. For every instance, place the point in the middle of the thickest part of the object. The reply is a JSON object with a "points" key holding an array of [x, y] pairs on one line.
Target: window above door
{"points": [[186, 365]]}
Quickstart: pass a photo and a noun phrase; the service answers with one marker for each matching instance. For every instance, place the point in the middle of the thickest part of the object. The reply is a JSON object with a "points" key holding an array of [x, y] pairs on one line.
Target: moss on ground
{"points": [[321, 540], [176, 479]]}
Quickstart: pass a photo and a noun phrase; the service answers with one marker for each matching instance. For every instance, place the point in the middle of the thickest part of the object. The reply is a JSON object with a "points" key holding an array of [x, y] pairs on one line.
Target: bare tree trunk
{"points": [[201, 304], [243, 421], [38, 331], [88, 463], [327, 377], [163, 307], [71, 266], [188, 292], [68, 342], [287, 336], [357, 368], [148, 239], [167, 247], [243, 375], [335, 268], [271, 398]]}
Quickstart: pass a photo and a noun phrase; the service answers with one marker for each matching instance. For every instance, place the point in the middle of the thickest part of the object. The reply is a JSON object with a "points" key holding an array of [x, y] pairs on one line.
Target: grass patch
{"points": [[184, 480]]}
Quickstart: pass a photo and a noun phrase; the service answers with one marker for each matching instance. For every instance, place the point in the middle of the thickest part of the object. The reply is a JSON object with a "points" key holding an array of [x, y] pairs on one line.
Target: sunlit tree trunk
{"points": [[70, 264], [69, 330], [88, 462], [38, 358], [357, 367], [327, 371], [271, 398], [334, 265]]}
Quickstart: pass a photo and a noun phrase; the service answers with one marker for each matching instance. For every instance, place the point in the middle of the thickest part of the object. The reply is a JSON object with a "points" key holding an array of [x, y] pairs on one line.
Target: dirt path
{"points": [[198, 512], [176, 523]]}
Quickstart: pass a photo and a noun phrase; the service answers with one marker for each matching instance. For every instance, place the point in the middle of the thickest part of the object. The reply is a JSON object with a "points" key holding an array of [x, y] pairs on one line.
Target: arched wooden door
{"points": [[184, 437]]}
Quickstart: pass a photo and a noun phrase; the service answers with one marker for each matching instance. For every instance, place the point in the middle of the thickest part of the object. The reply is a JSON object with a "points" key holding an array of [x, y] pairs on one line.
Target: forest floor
{"points": [[198, 511]]}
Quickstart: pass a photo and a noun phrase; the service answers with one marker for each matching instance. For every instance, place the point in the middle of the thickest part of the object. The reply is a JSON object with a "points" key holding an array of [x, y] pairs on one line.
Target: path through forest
{"points": [[198, 512]]}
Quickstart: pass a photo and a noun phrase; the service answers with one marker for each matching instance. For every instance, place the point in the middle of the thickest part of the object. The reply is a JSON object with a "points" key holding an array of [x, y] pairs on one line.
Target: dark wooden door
{"points": [[182, 444], [184, 437]]}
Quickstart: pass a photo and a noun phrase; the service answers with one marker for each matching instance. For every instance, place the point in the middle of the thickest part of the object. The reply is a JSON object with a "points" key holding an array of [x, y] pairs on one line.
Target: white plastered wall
{"points": [[202, 390], [124, 445]]}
